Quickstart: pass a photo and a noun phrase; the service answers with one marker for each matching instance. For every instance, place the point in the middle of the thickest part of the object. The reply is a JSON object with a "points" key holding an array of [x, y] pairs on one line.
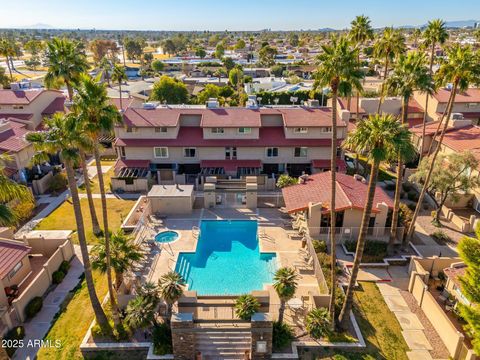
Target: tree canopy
{"points": [[170, 91]]}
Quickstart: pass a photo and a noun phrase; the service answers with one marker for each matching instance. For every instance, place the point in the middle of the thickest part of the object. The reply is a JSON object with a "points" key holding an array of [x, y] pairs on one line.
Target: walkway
{"points": [[37, 328], [420, 336]]}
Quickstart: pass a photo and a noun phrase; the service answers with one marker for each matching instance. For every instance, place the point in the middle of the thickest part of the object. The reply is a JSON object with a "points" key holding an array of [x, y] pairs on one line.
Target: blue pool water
{"points": [[227, 259], [166, 236]]}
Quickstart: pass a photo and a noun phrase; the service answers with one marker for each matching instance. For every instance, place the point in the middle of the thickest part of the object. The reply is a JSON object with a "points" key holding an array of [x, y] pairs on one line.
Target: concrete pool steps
{"points": [[226, 344]]}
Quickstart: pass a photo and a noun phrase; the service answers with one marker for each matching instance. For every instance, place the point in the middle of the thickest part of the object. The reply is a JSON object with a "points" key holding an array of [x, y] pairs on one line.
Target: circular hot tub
{"points": [[167, 236]]}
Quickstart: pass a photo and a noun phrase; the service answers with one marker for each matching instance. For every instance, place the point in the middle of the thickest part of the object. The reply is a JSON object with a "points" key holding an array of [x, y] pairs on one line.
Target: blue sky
{"points": [[228, 14]]}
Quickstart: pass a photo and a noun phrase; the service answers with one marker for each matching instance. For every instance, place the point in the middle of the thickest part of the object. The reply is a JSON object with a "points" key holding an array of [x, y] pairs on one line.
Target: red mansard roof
{"points": [[10, 255], [463, 139], [13, 139], [350, 194], [193, 136], [57, 105], [471, 95]]}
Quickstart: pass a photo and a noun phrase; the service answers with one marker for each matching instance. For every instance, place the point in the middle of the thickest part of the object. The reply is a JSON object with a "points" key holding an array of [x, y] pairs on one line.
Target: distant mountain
{"points": [[38, 26], [461, 23]]}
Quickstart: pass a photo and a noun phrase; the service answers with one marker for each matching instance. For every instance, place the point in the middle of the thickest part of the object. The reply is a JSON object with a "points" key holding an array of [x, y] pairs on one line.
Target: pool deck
{"points": [[272, 236]]}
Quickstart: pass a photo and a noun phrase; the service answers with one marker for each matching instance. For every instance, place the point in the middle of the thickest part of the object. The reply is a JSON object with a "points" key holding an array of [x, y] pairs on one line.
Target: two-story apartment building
{"points": [[30, 106], [228, 141]]}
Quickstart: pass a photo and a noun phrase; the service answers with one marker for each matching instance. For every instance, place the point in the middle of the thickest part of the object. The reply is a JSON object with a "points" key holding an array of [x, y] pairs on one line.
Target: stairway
{"points": [[223, 344], [231, 185]]}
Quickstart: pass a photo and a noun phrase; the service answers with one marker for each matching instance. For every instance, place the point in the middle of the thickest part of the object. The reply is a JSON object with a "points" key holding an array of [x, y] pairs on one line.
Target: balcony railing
{"points": [[351, 233]]}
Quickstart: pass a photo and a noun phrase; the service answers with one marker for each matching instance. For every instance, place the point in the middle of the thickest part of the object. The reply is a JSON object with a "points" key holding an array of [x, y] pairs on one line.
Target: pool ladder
{"points": [[195, 232]]}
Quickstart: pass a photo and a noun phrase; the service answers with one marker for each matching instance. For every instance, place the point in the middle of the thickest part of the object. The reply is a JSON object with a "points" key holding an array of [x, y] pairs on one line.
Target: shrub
{"points": [[441, 236], [33, 307], [282, 335], [412, 195], [433, 214], [405, 215], [64, 266], [162, 339], [58, 183], [320, 246], [246, 306], [318, 322], [339, 299], [16, 333], [285, 180], [373, 252], [58, 276], [23, 210]]}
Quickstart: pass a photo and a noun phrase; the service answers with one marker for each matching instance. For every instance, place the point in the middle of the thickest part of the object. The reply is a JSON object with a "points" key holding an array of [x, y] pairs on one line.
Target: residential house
{"points": [[13, 143], [452, 285], [311, 197], [228, 142]]}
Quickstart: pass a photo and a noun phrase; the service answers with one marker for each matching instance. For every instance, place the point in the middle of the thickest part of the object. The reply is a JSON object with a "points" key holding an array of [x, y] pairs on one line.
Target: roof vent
{"points": [[359, 178], [149, 106]]}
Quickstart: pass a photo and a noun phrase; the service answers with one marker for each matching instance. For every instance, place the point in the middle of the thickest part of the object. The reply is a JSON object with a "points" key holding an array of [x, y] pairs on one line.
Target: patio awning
{"points": [[132, 168], [231, 165], [325, 164]]}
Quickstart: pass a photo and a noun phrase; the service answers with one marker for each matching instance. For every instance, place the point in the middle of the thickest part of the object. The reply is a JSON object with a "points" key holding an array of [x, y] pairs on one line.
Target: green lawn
{"points": [[63, 218], [106, 178], [73, 322], [379, 327]]}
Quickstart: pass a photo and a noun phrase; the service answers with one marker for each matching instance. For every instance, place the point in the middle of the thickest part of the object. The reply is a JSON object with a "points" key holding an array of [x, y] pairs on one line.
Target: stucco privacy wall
{"points": [[43, 280]]}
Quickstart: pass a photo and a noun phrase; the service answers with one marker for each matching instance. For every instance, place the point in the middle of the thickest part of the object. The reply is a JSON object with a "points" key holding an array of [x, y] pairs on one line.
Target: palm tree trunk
{"points": [[118, 279], [97, 307], [425, 114], [432, 164], [88, 188], [120, 93], [347, 305], [380, 101], [9, 68], [281, 311], [106, 233], [69, 90], [333, 169], [398, 186]]}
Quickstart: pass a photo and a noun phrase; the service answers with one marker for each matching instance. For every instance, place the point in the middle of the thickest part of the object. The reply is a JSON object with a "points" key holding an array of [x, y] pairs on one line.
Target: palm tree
{"points": [[119, 75], [66, 61], [415, 36], [59, 138], [409, 74], [390, 44], [245, 306], [434, 34], [382, 137], [10, 190], [285, 284], [337, 69], [359, 34], [460, 70], [96, 116], [106, 67], [7, 51], [124, 254], [171, 289], [318, 323], [140, 313]]}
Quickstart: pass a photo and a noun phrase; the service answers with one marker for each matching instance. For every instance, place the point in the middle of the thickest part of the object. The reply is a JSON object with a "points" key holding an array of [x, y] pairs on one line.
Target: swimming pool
{"points": [[167, 236], [227, 259]]}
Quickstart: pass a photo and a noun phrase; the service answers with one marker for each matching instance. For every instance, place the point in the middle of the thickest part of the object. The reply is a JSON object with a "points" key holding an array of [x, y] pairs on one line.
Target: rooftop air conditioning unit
{"points": [[457, 116], [15, 86], [212, 103], [149, 106]]}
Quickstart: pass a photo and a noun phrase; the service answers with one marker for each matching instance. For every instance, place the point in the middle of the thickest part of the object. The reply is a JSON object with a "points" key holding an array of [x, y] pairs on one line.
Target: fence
{"points": [[343, 234], [43, 280]]}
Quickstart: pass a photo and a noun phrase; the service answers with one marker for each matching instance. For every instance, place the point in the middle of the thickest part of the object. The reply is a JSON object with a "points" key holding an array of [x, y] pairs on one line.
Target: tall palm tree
{"points": [[415, 36], [66, 61], [382, 137], [7, 51], [285, 284], [96, 116], [410, 74], [124, 254], [58, 138], [389, 44], [338, 70], [435, 33], [359, 34], [10, 190], [460, 70], [171, 289], [88, 187], [106, 67], [245, 306], [119, 75]]}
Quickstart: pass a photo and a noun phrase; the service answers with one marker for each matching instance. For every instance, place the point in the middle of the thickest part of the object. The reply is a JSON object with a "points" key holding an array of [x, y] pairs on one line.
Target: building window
{"points": [[162, 129], [339, 151], [300, 130], [272, 152], [121, 149], [230, 152], [326, 129], [300, 152], [244, 130], [17, 107], [131, 129], [17, 267], [189, 152], [161, 152], [218, 130]]}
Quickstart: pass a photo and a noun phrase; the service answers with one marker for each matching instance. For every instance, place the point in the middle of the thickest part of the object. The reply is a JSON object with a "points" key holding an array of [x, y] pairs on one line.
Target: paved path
{"points": [[412, 328], [126, 196], [37, 328]]}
